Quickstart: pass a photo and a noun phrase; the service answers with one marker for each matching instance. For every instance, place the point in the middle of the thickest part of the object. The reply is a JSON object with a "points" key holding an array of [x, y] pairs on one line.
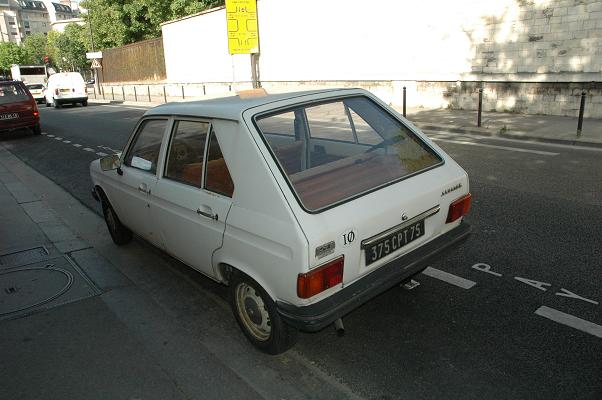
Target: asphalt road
{"points": [[518, 313]]}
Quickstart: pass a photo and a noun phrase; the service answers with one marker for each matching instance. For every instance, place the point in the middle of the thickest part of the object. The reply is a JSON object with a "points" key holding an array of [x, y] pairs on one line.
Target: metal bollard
{"points": [[204, 91], [112, 93], [148, 90], [123, 93], [183, 93], [94, 88], [581, 110], [102, 89], [404, 101], [164, 95], [480, 107], [135, 94]]}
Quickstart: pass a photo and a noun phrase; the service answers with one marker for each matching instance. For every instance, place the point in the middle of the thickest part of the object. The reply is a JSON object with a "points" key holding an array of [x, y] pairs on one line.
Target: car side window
{"points": [[144, 151], [186, 152], [218, 177]]}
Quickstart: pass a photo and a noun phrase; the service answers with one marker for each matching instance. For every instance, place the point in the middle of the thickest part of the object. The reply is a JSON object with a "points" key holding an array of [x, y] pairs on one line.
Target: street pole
{"points": [[96, 83]]}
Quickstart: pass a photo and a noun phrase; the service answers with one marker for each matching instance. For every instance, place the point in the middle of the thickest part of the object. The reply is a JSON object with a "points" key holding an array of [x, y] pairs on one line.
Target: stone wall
{"points": [[559, 40]]}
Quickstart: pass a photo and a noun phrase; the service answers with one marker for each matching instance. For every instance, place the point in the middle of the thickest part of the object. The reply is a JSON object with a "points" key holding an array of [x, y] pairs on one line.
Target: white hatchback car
{"points": [[306, 204]]}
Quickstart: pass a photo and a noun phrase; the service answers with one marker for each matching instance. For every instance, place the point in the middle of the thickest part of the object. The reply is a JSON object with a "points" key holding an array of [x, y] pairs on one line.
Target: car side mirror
{"points": [[110, 162]]}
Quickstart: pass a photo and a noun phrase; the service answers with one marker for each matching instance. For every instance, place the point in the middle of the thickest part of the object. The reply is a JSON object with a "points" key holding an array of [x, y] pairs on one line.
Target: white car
{"points": [[37, 91], [66, 88], [306, 204]]}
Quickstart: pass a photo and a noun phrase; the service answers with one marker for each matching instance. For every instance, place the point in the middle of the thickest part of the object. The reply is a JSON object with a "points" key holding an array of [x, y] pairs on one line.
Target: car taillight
{"points": [[313, 282], [56, 91], [459, 208], [73, 90]]}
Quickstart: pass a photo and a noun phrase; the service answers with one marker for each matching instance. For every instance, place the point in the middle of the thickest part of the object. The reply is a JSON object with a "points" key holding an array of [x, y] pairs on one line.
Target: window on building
{"points": [[26, 24], [11, 23]]}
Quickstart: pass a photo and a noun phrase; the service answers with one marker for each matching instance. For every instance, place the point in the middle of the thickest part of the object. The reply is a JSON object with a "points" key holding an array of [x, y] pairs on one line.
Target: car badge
{"points": [[404, 217], [451, 189]]}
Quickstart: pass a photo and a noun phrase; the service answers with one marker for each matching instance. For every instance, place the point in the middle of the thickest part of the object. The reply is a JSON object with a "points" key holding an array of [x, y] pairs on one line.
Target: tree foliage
{"points": [[11, 53], [118, 22], [67, 50], [34, 47]]}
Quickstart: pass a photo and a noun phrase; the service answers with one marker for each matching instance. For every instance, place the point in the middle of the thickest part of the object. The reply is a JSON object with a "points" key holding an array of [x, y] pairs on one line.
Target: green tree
{"points": [[34, 47], [68, 49], [118, 22], [11, 53]]}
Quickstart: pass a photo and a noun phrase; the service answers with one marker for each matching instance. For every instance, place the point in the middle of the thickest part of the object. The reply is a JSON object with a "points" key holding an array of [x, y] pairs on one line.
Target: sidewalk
{"points": [[81, 318], [544, 128]]}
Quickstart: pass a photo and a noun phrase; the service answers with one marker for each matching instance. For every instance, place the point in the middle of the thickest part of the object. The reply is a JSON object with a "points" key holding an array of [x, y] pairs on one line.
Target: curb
{"points": [[507, 135]]}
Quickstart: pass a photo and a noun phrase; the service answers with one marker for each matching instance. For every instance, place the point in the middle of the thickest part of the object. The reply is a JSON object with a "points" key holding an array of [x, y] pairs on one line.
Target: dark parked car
{"points": [[18, 109]]}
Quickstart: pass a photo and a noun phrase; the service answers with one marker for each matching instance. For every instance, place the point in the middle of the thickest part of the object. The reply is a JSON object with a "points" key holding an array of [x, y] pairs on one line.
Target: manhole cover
{"points": [[28, 288]]}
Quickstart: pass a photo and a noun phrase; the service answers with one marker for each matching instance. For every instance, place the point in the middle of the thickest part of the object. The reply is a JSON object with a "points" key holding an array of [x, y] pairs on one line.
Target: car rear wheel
{"points": [[56, 104], [119, 233], [85, 103], [257, 316]]}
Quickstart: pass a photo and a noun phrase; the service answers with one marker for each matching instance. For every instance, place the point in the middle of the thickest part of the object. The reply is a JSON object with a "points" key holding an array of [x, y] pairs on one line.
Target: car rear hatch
{"points": [[385, 224], [17, 113]]}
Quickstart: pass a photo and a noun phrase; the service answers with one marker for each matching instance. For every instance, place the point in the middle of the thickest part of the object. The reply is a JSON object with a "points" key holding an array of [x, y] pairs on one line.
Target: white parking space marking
{"points": [[539, 152], [443, 135], [569, 320], [449, 278]]}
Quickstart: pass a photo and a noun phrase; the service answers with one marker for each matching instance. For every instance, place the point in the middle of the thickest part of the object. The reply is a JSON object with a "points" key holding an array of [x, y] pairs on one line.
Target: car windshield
{"points": [[333, 151], [35, 87], [11, 93]]}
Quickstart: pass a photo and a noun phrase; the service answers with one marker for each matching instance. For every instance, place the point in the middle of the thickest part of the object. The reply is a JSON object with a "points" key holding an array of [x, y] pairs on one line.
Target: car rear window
{"points": [[333, 151], [34, 87], [12, 93]]}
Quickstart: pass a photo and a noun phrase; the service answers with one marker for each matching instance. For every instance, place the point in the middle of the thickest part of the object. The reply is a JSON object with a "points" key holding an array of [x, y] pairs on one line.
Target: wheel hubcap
{"points": [[253, 312]]}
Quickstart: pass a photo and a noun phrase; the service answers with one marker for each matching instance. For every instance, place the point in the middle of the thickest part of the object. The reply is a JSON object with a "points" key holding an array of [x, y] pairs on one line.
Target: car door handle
{"points": [[143, 188], [206, 212]]}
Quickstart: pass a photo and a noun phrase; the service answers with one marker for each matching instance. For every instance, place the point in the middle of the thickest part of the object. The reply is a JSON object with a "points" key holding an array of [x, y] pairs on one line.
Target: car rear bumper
{"points": [[317, 316], [78, 99], [20, 123]]}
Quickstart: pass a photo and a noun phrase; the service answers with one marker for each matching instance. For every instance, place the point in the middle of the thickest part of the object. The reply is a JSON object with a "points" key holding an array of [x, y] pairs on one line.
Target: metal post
{"points": [[102, 89], [229, 88], [204, 91], [123, 93], [112, 93], [404, 101], [480, 107], [148, 90], [135, 94], [164, 94], [183, 92], [94, 88], [581, 110]]}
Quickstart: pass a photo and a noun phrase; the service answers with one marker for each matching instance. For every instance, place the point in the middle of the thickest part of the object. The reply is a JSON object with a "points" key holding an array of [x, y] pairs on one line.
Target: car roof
{"points": [[232, 107]]}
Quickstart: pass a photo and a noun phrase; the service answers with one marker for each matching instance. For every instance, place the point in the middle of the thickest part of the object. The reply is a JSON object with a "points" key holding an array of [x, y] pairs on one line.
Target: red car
{"points": [[18, 109]]}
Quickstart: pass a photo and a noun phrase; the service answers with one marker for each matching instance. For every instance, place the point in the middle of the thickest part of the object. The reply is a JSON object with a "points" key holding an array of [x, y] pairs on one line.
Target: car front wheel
{"points": [[119, 233], [257, 316]]}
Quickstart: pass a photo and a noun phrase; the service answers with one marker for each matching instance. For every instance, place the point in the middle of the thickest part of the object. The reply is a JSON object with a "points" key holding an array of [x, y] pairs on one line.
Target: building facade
{"points": [[20, 18]]}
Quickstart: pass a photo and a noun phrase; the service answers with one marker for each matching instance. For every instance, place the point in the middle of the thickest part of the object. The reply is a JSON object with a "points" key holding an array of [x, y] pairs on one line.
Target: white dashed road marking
{"points": [[100, 153], [67, 141], [58, 138], [449, 278], [44, 133], [569, 320], [88, 149], [77, 145], [50, 135]]}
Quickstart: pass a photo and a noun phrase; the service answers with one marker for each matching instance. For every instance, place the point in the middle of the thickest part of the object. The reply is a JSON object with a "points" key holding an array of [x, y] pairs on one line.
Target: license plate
{"points": [[65, 90], [394, 242], [9, 116]]}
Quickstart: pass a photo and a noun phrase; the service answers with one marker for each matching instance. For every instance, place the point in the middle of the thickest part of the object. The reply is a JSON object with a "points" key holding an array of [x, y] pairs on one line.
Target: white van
{"points": [[66, 87]]}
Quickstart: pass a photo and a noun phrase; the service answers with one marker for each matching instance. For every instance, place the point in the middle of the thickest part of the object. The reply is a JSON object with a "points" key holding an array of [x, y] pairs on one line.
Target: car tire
{"points": [[119, 233], [56, 104], [85, 103], [257, 316], [47, 103], [37, 130]]}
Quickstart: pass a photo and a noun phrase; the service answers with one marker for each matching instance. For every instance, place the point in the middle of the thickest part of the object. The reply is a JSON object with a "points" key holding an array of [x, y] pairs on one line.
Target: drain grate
{"points": [[23, 257]]}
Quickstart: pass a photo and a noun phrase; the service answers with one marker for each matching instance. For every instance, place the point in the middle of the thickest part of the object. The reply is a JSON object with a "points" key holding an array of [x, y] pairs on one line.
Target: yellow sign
{"points": [[243, 36]]}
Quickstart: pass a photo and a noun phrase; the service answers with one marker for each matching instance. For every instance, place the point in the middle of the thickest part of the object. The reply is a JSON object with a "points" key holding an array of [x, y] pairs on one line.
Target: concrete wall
{"points": [[436, 48]]}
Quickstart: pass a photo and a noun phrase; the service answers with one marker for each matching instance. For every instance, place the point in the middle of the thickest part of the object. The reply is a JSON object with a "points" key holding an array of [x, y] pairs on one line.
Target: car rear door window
{"points": [[186, 152], [12, 92], [218, 177], [144, 151]]}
